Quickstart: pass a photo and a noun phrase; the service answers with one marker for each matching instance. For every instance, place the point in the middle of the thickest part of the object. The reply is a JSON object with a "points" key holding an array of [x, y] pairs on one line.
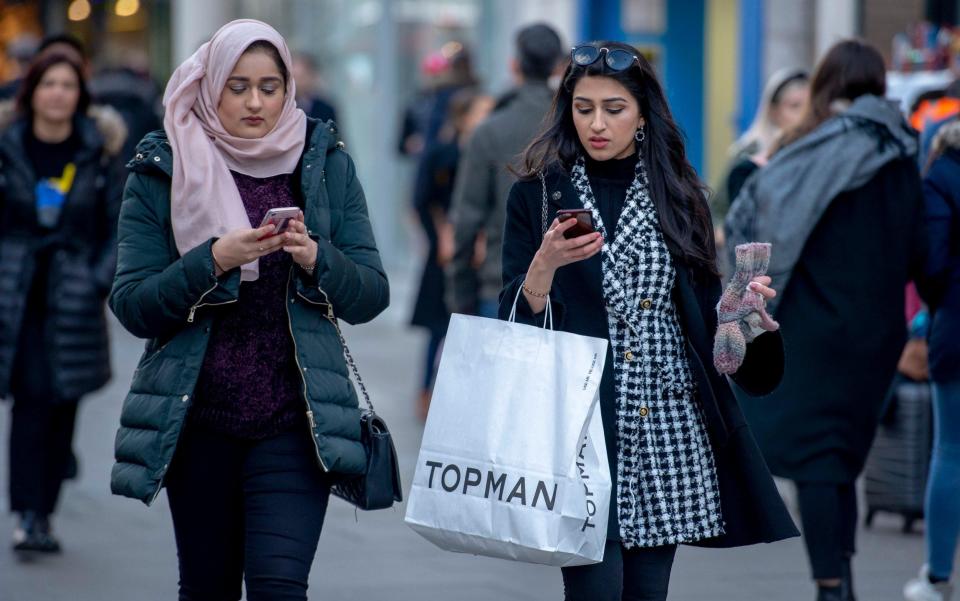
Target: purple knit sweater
{"points": [[249, 385]]}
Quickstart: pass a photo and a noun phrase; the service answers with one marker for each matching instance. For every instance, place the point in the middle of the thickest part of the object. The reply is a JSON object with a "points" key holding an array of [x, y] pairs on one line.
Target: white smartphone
{"points": [[280, 218]]}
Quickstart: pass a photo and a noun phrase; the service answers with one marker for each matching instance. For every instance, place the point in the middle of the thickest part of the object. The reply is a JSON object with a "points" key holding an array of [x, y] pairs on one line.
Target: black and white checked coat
{"points": [[667, 489], [751, 507]]}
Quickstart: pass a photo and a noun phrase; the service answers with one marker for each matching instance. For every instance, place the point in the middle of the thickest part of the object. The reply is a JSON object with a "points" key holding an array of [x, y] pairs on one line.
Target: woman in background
{"points": [[841, 202], [61, 187], [431, 201], [941, 190], [781, 107]]}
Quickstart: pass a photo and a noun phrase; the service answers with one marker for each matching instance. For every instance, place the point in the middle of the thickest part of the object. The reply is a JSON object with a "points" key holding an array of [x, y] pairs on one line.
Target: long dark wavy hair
{"points": [[675, 189]]}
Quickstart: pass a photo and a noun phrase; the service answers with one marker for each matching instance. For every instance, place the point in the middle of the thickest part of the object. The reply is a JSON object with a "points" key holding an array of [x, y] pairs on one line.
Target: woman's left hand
{"points": [[761, 285], [301, 247]]}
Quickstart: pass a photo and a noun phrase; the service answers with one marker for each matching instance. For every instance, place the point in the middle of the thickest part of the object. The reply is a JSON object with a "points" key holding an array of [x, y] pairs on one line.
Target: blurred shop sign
{"points": [[463, 14], [644, 16]]}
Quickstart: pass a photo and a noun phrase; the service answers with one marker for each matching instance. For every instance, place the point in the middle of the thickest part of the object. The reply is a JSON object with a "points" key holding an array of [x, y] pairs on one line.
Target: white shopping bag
{"points": [[513, 462]]}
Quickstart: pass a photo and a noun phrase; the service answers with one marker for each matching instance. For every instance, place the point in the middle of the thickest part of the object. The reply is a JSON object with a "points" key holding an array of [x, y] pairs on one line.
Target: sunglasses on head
{"points": [[616, 59]]}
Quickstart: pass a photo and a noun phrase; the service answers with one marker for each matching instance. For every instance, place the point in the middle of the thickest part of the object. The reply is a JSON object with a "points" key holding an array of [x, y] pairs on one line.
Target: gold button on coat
{"points": [[644, 412], [628, 355], [646, 303]]}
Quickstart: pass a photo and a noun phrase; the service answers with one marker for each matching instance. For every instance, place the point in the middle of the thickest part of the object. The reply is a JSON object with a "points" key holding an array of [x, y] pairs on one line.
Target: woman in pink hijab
{"points": [[241, 405]]}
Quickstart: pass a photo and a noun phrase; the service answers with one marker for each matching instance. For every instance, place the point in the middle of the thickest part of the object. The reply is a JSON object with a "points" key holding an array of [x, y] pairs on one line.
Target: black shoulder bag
{"points": [[379, 486]]}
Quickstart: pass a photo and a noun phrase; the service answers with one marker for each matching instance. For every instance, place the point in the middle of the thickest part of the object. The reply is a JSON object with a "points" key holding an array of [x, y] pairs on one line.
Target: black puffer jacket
{"points": [[82, 251]]}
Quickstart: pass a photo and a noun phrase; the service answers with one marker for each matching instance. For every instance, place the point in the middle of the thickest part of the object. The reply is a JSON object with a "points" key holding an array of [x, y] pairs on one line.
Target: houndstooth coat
{"points": [[666, 478], [752, 509]]}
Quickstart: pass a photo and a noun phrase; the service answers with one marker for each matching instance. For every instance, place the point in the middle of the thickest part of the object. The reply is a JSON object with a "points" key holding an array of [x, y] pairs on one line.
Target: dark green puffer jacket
{"points": [[172, 301]]}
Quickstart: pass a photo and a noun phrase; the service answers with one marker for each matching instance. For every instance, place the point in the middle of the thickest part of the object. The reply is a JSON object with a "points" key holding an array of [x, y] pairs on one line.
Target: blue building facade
{"points": [[677, 52]]}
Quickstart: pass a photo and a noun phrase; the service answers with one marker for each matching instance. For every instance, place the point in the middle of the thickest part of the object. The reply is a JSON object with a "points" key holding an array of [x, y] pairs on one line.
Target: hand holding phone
{"points": [[560, 248]]}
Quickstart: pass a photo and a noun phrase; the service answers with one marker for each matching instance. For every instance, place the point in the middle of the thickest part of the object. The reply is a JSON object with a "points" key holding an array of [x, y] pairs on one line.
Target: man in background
{"points": [[306, 75], [480, 195]]}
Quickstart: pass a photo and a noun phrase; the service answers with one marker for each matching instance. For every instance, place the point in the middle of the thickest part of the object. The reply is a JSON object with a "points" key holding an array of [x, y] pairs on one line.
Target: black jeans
{"points": [[246, 511], [623, 575], [41, 436], [828, 513]]}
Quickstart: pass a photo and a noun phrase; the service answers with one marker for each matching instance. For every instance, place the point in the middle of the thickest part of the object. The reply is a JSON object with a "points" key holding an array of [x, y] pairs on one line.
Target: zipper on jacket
{"points": [[200, 303], [296, 358], [326, 302]]}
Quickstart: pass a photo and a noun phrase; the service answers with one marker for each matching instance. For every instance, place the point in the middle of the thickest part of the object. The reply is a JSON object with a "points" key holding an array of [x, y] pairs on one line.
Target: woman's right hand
{"points": [[243, 246], [556, 251]]}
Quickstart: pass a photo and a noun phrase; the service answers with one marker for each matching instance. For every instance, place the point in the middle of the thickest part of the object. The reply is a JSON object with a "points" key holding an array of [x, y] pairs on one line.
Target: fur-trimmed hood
{"points": [[948, 137], [108, 122]]}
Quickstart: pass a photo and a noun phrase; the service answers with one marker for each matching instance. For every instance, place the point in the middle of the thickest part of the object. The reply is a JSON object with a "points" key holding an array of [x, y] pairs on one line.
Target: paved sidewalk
{"points": [[118, 549]]}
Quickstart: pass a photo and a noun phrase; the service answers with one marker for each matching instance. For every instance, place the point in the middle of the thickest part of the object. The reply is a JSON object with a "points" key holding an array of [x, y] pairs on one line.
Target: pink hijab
{"points": [[204, 201]]}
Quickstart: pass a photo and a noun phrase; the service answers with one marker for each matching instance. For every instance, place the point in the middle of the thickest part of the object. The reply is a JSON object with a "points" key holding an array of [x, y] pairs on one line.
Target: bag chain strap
{"points": [[543, 215], [349, 358]]}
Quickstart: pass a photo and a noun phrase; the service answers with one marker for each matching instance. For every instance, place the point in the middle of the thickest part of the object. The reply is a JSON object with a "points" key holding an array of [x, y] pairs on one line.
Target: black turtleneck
{"points": [[609, 181]]}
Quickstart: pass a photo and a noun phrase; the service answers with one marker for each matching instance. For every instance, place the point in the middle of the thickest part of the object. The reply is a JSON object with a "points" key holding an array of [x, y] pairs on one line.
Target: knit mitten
{"points": [[741, 313]]}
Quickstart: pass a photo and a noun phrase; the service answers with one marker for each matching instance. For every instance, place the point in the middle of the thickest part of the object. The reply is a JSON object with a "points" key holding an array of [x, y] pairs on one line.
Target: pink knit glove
{"points": [[741, 312]]}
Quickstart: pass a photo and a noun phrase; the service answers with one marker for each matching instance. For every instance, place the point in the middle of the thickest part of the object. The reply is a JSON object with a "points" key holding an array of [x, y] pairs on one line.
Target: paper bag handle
{"points": [[548, 311]]}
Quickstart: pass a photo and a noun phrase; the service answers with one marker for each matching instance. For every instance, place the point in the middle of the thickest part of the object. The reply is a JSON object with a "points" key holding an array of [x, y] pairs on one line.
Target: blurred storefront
{"points": [[20, 22], [116, 32]]}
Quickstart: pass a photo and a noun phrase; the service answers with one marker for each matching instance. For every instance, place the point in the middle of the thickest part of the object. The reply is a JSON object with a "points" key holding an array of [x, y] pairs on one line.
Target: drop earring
{"points": [[640, 136]]}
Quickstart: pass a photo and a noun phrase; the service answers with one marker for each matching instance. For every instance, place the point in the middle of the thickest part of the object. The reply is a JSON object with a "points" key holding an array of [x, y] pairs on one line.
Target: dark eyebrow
{"points": [[614, 99], [247, 79]]}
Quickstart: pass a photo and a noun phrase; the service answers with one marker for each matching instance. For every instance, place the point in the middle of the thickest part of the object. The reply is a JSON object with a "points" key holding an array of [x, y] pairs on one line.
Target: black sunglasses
{"points": [[616, 59]]}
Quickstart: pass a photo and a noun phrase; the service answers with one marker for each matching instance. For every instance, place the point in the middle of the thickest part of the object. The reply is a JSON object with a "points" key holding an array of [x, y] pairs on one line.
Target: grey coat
{"points": [[480, 193]]}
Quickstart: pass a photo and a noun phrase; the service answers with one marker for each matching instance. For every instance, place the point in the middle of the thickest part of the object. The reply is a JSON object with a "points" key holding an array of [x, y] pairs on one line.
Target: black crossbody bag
{"points": [[379, 486]]}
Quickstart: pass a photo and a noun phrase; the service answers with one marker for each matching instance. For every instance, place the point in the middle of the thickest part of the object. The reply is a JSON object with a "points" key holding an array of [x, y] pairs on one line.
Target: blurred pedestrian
{"points": [[941, 188], [62, 181], [842, 204], [309, 98], [447, 71], [685, 468], [781, 107], [932, 114], [241, 404], [480, 193], [129, 89], [431, 201]]}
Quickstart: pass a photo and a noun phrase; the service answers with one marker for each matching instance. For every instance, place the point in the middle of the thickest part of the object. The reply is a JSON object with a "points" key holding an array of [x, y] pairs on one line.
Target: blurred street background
{"points": [[372, 60]]}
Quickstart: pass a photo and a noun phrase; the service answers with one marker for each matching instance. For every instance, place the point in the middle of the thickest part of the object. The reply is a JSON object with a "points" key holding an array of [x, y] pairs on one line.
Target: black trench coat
{"points": [[752, 509], [843, 320]]}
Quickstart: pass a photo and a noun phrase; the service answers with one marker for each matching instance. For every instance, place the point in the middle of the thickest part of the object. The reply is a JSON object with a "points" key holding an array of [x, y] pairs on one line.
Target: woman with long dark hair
{"points": [[684, 465], [841, 202], [59, 198]]}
